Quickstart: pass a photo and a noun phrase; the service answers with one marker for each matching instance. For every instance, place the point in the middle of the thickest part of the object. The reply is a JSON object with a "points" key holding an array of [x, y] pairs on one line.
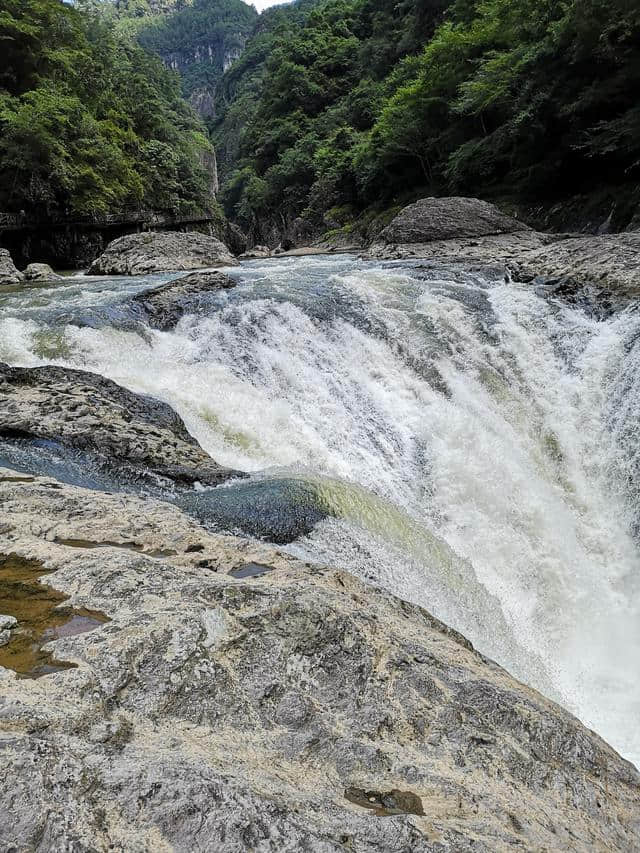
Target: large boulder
{"points": [[163, 306], [40, 272], [239, 699], [132, 434], [432, 219], [161, 251], [9, 274]]}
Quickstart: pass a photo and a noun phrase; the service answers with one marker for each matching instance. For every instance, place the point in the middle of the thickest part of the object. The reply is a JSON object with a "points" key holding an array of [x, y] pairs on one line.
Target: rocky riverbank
{"points": [[133, 436], [472, 231], [240, 699]]}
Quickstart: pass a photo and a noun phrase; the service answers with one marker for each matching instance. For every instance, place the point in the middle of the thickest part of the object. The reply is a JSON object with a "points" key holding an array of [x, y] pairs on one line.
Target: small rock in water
{"points": [[41, 272]]}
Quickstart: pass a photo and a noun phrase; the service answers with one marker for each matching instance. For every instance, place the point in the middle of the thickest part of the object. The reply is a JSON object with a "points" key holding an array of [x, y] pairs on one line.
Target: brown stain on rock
{"points": [[385, 804], [36, 606]]}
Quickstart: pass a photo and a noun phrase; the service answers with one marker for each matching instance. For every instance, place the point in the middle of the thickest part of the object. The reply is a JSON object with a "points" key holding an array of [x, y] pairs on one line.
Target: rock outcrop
{"points": [[133, 434], [163, 306], [239, 699], [608, 260], [9, 274], [161, 251], [453, 218], [494, 248], [40, 272]]}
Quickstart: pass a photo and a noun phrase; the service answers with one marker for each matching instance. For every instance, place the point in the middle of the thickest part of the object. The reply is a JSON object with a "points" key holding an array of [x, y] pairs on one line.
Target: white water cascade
{"points": [[476, 443]]}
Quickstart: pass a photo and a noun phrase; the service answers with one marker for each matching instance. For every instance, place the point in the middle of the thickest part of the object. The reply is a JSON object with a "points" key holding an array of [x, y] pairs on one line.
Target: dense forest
{"points": [[90, 122], [200, 39], [341, 105], [332, 108]]}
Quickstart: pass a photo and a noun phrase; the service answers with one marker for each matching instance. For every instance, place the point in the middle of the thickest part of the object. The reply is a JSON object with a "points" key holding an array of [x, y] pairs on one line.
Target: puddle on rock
{"points": [[126, 546], [250, 570], [40, 618], [386, 804]]}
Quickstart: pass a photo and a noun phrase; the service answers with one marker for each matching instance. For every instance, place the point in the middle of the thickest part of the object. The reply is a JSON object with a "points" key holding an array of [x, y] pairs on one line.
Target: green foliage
{"points": [[90, 122], [360, 102], [199, 38]]}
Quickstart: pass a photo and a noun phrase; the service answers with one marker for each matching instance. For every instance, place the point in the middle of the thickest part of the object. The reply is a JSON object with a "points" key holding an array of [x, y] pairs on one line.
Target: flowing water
{"points": [[465, 442]]}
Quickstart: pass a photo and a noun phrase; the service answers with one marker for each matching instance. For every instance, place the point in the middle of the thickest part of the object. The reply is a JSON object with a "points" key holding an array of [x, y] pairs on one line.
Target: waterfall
{"points": [[471, 443]]}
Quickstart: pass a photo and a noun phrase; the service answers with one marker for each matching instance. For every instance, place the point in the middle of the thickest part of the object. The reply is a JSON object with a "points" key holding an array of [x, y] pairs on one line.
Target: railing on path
{"points": [[148, 218]]}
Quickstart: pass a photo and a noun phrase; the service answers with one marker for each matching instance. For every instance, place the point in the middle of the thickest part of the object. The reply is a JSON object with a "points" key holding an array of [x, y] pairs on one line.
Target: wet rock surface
{"points": [[161, 251], [9, 274], [136, 434], [163, 306], [608, 261], [448, 218], [295, 710]]}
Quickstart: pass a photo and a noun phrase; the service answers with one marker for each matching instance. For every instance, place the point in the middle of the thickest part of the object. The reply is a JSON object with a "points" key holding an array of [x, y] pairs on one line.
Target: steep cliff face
{"points": [[200, 41]]}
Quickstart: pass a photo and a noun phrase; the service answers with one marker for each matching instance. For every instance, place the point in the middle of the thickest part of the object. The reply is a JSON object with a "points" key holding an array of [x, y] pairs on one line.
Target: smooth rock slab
{"points": [[448, 218], [298, 710], [85, 411], [9, 274], [161, 251]]}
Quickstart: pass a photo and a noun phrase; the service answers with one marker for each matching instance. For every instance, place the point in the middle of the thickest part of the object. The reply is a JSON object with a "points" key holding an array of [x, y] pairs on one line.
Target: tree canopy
{"points": [[347, 103], [90, 122]]}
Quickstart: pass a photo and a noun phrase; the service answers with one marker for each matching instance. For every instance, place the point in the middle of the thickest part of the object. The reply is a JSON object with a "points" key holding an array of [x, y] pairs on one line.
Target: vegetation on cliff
{"points": [[200, 39], [90, 122], [343, 104]]}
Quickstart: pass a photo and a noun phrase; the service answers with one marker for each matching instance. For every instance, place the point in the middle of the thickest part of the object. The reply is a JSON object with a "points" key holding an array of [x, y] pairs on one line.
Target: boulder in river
{"points": [[40, 272], [165, 305], [240, 699], [9, 274], [448, 218], [130, 433], [161, 251]]}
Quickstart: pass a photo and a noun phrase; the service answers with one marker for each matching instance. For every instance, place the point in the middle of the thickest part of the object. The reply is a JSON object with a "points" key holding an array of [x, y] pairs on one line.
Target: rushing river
{"points": [[469, 444]]}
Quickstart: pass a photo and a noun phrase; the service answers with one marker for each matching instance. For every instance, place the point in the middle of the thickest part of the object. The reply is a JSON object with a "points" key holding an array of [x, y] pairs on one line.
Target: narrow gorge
{"points": [[319, 426]]}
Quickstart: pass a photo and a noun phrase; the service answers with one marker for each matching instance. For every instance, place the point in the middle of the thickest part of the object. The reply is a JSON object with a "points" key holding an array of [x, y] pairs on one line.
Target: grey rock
{"points": [[9, 274], [165, 305], [161, 251], [300, 710], [608, 261], [40, 272], [256, 252], [85, 411], [448, 218], [492, 248], [235, 238], [7, 623]]}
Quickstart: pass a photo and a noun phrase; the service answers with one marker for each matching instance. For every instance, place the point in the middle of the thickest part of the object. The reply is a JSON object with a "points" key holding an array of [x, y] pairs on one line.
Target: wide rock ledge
{"points": [[296, 709], [163, 306], [608, 260], [132, 433], [161, 251]]}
